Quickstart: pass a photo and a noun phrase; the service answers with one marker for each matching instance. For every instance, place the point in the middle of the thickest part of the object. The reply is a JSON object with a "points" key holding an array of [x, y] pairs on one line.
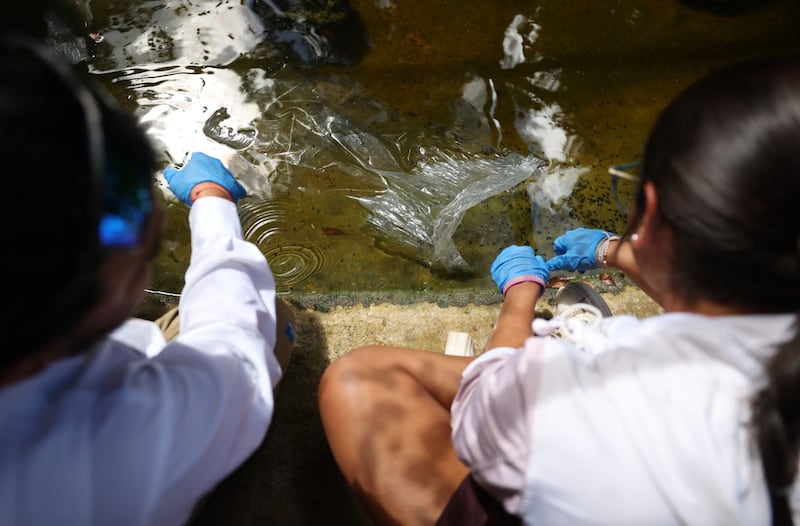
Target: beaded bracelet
{"points": [[602, 249]]}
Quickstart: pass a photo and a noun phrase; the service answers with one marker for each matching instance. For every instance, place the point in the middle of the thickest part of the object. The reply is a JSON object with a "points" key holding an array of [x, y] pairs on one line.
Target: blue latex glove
{"points": [[517, 264], [202, 168], [576, 250]]}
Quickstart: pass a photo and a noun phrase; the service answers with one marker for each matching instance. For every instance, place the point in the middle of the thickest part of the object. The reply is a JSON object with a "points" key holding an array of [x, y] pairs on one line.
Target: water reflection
{"points": [[459, 129]]}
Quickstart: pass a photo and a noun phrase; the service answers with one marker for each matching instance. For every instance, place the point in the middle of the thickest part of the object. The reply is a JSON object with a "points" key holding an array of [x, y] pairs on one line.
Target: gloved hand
{"points": [[576, 250], [518, 264], [202, 168]]}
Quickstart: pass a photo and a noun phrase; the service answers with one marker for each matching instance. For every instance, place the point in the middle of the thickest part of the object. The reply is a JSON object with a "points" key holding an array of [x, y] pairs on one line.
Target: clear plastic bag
{"points": [[421, 210]]}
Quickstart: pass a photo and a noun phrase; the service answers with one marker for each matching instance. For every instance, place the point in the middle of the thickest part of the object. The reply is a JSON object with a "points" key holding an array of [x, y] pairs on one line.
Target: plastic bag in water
{"points": [[420, 211]]}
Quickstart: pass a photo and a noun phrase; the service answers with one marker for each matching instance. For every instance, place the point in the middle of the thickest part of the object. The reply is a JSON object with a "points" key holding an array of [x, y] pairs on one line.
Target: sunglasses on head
{"points": [[623, 175], [124, 195]]}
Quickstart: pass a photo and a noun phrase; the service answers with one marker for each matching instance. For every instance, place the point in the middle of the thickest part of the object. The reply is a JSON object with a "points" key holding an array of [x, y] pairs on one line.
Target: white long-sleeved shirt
{"points": [[136, 430], [637, 422]]}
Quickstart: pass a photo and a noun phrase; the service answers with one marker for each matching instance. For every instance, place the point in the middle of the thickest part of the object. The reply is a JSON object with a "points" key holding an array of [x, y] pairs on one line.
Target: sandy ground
{"points": [[292, 478]]}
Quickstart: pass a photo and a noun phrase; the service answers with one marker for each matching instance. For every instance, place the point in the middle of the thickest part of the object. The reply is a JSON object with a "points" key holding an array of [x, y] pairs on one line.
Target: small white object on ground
{"points": [[459, 344]]}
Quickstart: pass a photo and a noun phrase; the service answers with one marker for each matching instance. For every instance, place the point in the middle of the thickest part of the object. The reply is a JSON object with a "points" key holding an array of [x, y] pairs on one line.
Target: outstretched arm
{"points": [[513, 325], [521, 276], [584, 249]]}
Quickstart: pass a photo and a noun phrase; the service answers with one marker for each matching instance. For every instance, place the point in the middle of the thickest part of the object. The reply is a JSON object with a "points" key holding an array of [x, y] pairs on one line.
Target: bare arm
{"points": [[513, 325]]}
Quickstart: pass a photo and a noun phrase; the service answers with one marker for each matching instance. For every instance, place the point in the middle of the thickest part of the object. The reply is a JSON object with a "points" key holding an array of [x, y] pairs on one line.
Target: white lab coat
{"points": [[136, 430]]}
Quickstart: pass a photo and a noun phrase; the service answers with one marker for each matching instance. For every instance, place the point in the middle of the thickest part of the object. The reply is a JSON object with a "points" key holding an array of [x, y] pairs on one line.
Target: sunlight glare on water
{"points": [[402, 145]]}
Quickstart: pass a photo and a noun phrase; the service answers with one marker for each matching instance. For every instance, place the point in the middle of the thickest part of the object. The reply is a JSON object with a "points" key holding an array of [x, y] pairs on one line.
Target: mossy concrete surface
{"points": [[292, 478]]}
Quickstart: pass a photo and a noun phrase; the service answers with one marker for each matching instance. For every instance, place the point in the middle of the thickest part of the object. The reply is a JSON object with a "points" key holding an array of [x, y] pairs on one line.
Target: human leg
{"points": [[169, 323], [386, 413]]}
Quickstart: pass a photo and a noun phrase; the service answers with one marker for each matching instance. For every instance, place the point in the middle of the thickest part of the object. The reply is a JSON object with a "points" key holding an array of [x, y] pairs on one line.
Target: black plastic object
{"points": [[579, 292]]}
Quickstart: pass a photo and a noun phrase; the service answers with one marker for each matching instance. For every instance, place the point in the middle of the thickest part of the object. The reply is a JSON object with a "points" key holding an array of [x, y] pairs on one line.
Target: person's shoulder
{"points": [[136, 335]]}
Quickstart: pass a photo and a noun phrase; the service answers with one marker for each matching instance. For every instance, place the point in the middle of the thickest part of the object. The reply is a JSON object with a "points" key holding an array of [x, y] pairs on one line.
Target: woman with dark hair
{"points": [[688, 417], [102, 420]]}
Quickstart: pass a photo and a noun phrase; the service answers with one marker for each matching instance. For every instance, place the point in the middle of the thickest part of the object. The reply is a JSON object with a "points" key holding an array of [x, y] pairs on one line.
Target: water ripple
{"points": [[293, 258]]}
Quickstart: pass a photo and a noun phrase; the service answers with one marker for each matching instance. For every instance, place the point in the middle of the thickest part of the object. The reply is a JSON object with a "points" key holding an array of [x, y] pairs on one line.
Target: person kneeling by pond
{"points": [[104, 421], [687, 417]]}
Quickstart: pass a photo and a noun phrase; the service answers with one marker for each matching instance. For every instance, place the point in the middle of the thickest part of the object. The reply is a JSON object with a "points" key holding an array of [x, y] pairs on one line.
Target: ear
{"points": [[648, 224]]}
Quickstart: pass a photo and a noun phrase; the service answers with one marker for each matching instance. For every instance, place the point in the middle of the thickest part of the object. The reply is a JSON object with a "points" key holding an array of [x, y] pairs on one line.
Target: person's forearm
{"points": [[513, 325], [228, 277]]}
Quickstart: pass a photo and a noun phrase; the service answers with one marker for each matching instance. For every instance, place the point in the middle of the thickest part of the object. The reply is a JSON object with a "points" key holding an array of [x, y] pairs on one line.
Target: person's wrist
{"points": [[611, 251], [525, 294], [209, 189], [601, 251], [528, 278]]}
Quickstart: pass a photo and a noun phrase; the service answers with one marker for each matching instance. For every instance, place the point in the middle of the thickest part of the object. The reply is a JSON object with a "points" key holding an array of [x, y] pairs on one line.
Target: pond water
{"points": [[429, 135]]}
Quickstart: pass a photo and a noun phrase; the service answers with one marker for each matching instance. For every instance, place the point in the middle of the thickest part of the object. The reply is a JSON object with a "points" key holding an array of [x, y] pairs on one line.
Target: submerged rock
{"points": [[314, 32], [64, 25]]}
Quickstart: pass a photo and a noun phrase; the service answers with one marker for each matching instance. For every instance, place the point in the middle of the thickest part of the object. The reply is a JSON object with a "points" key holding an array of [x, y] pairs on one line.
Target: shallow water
{"points": [[463, 128]]}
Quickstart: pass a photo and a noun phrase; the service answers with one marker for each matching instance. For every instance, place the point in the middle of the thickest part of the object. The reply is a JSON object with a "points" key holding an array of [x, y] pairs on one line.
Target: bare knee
{"points": [[348, 379], [348, 398], [376, 411], [374, 372]]}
